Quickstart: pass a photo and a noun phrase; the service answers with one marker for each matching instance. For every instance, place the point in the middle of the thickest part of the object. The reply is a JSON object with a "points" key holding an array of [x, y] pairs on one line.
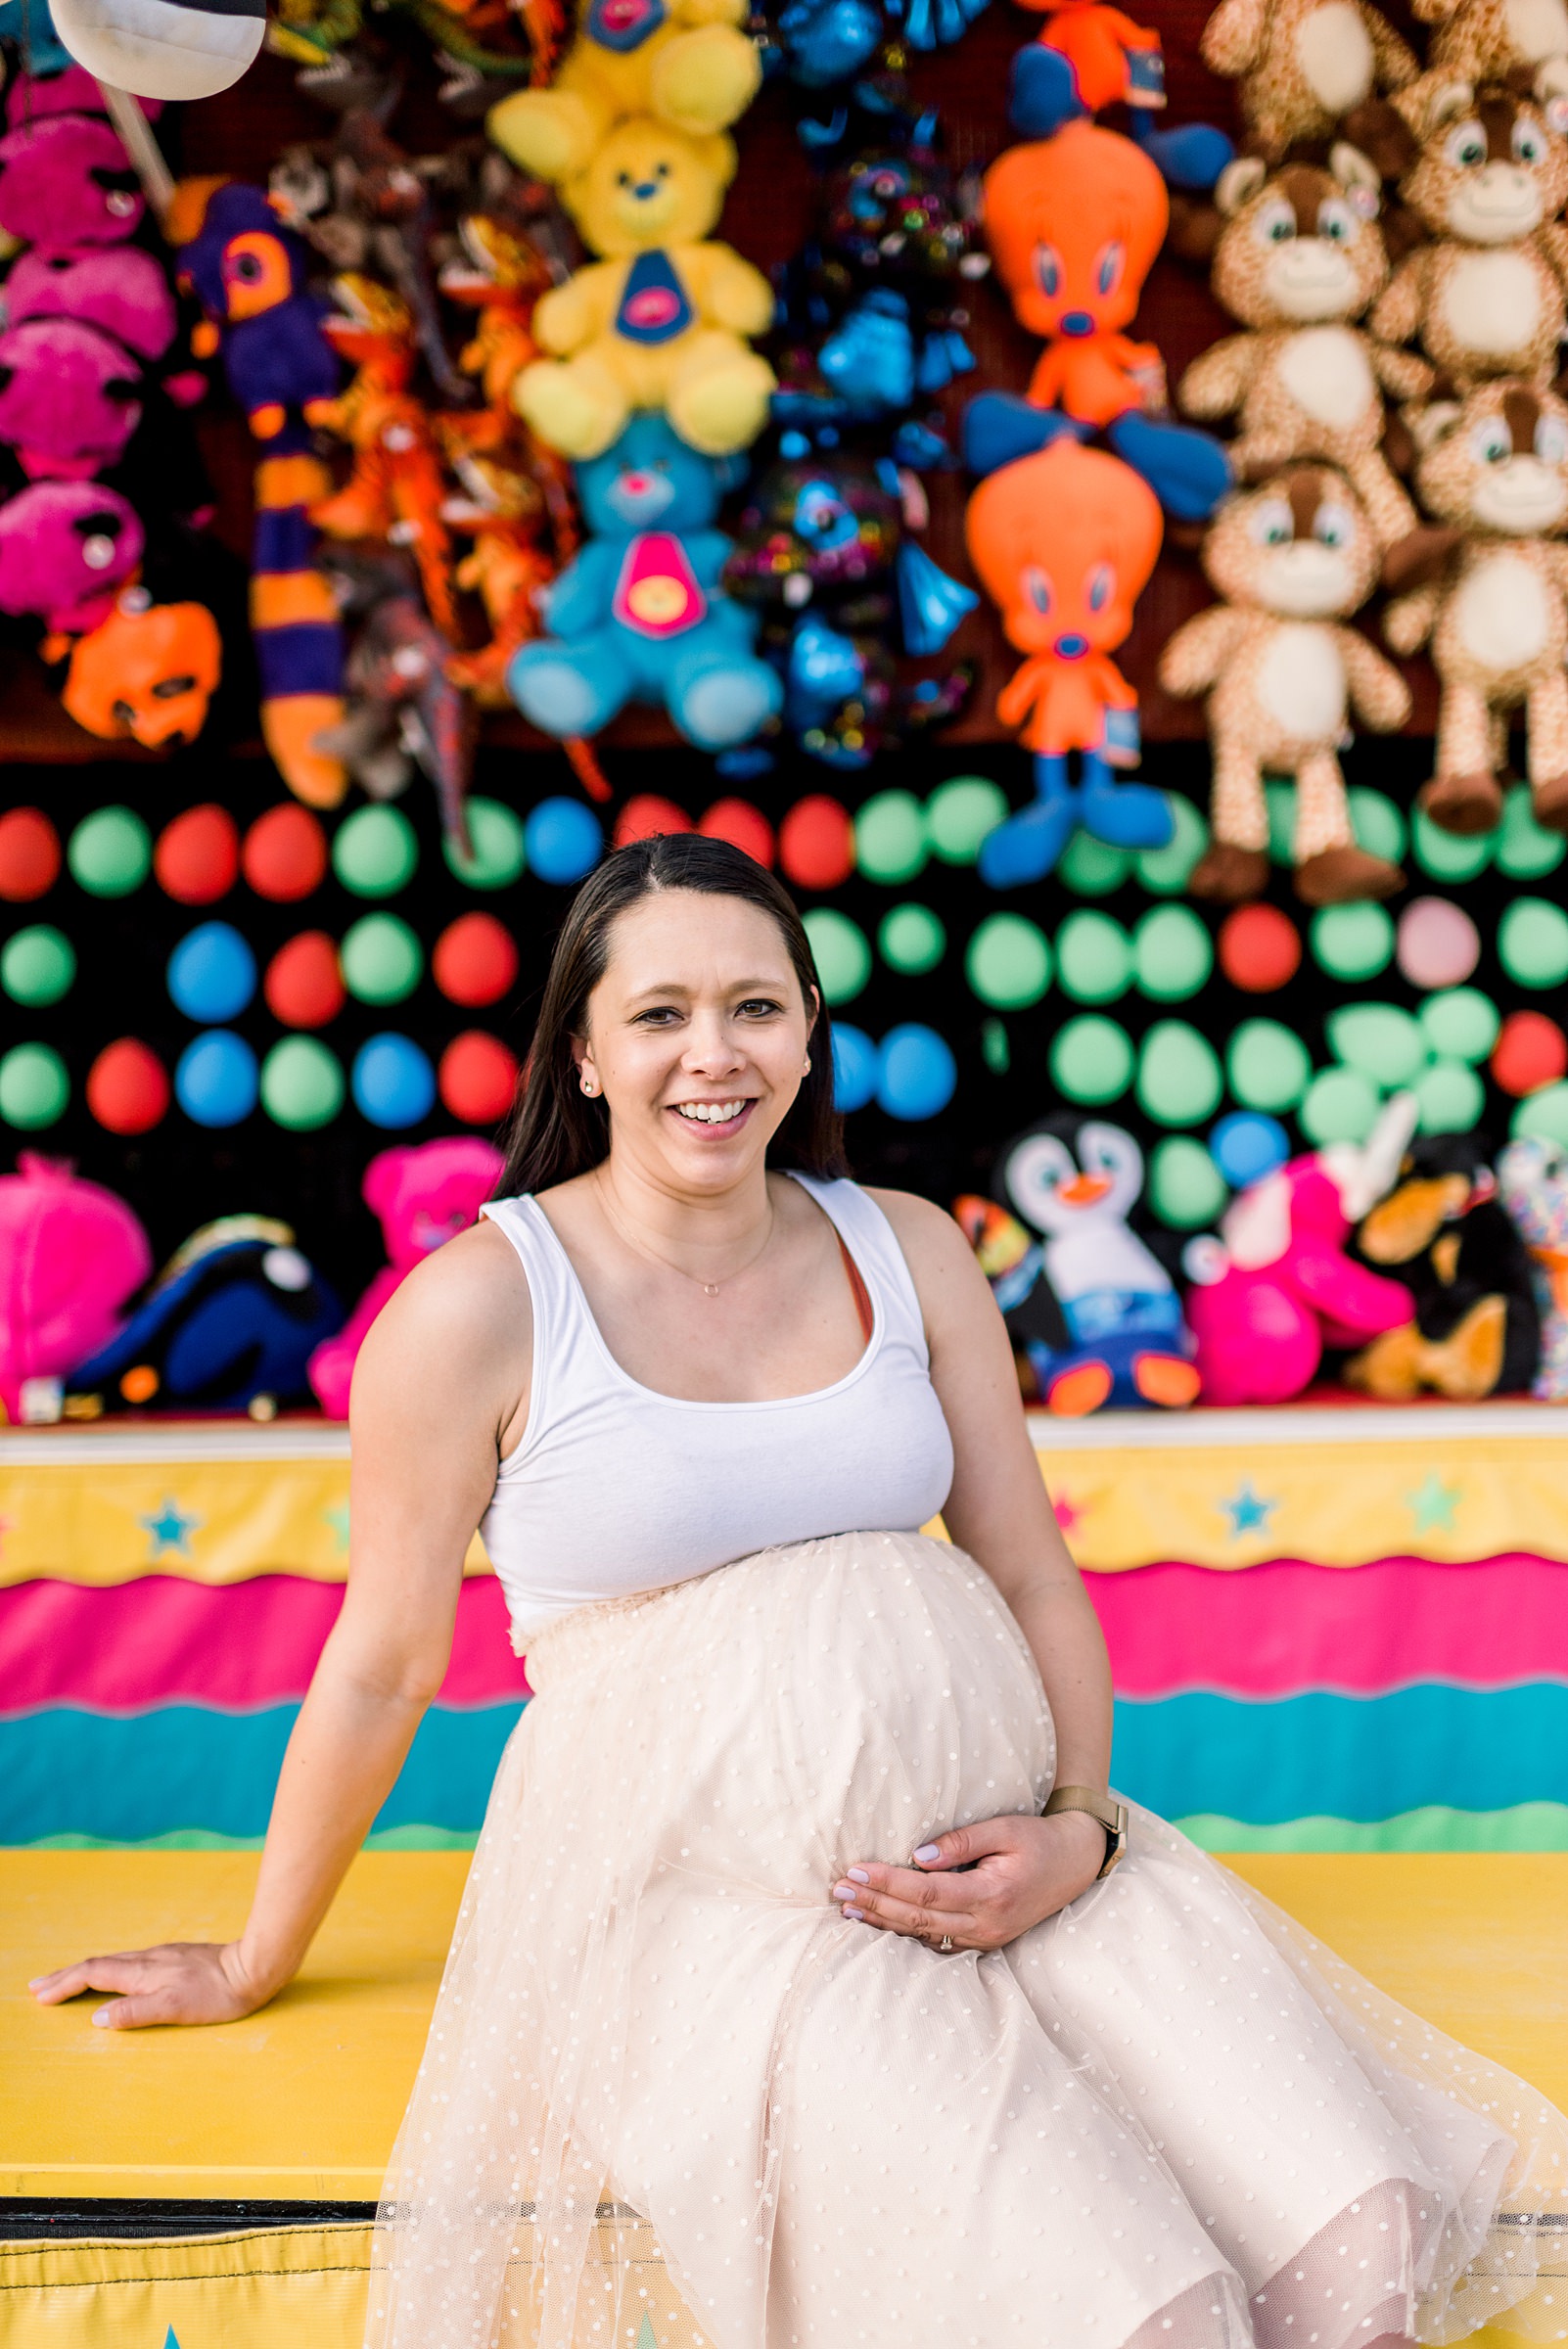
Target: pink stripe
{"points": [[1277, 1630], [161, 1642]]}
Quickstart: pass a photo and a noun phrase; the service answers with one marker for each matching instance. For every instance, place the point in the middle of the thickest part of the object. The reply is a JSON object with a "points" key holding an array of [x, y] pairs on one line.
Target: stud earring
{"points": [[806, 1070], [589, 1085]]}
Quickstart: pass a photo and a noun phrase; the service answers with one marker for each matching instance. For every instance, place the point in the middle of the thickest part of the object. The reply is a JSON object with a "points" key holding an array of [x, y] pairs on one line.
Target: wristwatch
{"points": [[1111, 1815]]}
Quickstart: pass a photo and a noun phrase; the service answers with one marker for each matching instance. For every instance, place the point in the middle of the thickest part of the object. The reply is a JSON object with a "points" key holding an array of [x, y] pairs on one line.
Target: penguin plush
{"points": [[1094, 1316]]}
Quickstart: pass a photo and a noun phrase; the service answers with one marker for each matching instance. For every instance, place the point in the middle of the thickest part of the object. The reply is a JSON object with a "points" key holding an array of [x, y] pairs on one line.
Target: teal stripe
{"points": [[204, 1839], [1434, 1828]]}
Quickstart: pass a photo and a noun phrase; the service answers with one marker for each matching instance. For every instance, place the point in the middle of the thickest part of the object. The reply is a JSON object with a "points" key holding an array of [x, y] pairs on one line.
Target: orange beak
{"points": [[1083, 1189]]}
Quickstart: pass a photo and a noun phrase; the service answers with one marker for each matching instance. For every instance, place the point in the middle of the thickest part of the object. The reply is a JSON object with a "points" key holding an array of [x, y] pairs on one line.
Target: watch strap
{"points": [[1111, 1815]]}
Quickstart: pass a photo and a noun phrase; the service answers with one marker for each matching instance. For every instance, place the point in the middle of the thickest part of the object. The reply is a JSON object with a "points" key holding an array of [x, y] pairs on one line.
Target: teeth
{"points": [[710, 1113]]}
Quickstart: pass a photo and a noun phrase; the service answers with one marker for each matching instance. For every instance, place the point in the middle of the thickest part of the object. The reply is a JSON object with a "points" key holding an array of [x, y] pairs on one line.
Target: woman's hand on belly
{"points": [[983, 1885]]}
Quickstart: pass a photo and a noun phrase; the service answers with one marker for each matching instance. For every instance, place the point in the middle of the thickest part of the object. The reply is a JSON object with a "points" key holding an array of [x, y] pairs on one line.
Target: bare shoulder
{"points": [[941, 1263], [459, 1325]]}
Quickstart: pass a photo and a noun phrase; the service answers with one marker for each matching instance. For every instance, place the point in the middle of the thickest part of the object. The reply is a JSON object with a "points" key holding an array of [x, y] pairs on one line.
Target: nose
{"points": [[635, 485], [1071, 646], [645, 188], [1077, 323], [1083, 1189]]}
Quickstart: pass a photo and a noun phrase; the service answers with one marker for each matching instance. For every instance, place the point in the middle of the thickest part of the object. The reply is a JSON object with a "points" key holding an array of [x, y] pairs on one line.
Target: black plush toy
{"points": [[1442, 1230]]}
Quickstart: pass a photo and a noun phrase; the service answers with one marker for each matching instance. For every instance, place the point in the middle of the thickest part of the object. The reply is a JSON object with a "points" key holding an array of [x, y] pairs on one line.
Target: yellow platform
{"points": [[301, 2102]]}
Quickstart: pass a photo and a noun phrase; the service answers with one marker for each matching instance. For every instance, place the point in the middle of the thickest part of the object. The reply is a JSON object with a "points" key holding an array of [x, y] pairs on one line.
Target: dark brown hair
{"points": [[555, 1130]]}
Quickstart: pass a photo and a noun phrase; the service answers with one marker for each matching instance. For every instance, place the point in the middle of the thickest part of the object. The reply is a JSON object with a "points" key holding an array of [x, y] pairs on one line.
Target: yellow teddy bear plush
{"points": [[685, 61], [659, 323]]}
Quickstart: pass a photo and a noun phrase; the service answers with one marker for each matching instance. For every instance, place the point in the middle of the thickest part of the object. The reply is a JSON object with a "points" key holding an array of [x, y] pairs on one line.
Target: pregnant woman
{"points": [[804, 1933]]}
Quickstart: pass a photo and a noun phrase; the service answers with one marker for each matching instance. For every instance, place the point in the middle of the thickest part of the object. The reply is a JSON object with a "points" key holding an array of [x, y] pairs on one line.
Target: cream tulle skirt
{"points": [[673, 2099]]}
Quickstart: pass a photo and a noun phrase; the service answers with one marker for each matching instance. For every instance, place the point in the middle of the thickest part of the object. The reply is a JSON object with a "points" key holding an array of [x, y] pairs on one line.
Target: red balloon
{"points": [[646, 813], [304, 986], [197, 858], [478, 1077], [128, 1088], [816, 843], [742, 825], [285, 853], [29, 854], [1260, 948], [1531, 1051], [475, 961]]}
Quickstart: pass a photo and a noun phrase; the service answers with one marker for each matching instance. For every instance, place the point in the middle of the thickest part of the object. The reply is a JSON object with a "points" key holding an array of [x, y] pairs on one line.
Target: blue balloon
{"points": [[854, 1066], [917, 1073], [216, 1080], [211, 973], [392, 1081], [562, 839], [1247, 1145]]}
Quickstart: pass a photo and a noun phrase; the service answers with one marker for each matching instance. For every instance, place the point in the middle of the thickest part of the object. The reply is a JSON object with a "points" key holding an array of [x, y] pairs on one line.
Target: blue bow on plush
{"points": [[930, 603]]}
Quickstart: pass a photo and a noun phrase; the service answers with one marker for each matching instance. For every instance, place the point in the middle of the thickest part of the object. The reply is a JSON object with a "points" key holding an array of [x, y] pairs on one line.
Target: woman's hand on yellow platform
{"points": [[983, 1885], [179, 1982]]}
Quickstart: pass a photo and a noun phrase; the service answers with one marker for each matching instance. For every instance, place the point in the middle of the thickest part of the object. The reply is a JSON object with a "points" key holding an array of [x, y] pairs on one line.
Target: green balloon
{"points": [[1380, 1039], [1280, 801], [1351, 942], [1090, 869], [1340, 1106], [1266, 1065], [994, 1049], [381, 959], [111, 853], [960, 814], [1093, 959], [1532, 943], [1525, 849], [1165, 872], [374, 851], [1186, 1189], [890, 836], [840, 951], [496, 839], [911, 939], [33, 1087], [1449, 856], [1091, 1059], [1172, 953], [1007, 962], [1377, 824], [1543, 1115], [1179, 1081], [37, 965], [1449, 1096], [301, 1084], [1459, 1023]]}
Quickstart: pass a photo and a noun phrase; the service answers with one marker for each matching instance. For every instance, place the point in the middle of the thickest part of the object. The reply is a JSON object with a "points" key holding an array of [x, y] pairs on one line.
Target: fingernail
{"points": [[37, 1979], [858, 1876], [928, 1852], [844, 1892], [101, 2018], [858, 1914]]}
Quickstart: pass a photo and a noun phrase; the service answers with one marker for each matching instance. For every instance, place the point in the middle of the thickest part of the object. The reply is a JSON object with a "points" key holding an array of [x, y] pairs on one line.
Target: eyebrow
{"points": [[672, 987]]}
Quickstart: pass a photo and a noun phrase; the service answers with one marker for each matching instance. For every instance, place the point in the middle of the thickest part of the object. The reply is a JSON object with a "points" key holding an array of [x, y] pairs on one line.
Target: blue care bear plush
{"points": [[640, 616]]}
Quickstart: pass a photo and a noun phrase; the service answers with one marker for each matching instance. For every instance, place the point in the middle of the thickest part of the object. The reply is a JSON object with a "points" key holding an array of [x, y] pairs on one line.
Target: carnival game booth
{"points": [[374, 558]]}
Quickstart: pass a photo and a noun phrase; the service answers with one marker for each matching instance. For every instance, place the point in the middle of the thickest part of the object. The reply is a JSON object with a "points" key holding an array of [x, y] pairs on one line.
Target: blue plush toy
{"points": [[640, 615]]}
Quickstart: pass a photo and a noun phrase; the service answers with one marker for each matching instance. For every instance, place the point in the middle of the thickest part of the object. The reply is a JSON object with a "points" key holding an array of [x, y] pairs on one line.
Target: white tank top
{"points": [[616, 1489]]}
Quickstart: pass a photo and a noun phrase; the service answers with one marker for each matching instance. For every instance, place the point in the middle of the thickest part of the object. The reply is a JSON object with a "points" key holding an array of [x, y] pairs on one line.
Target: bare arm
{"points": [[999, 1510], [437, 1381]]}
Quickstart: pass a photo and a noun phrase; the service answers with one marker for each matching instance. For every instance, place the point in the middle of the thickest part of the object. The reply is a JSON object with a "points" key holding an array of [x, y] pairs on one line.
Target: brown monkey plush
{"points": [[1299, 259], [1495, 469], [1521, 42], [1486, 297], [1292, 560], [1302, 65]]}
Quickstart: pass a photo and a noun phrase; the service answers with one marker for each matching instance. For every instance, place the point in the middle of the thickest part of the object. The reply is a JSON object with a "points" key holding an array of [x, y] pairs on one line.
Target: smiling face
{"points": [[1299, 247], [1499, 460], [648, 186], [1491, 170], [1059, 1180], [696, 1037], [1301, 546]]}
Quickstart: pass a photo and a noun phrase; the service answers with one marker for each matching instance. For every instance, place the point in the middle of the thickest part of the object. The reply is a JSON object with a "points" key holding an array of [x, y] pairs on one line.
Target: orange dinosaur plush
{"points": [[146, 674]]}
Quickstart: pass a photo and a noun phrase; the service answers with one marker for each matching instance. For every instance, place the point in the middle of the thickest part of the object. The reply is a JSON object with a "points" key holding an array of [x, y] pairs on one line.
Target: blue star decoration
{"points": [[171, 1530], [1247, 1511], [1433, 1503]]}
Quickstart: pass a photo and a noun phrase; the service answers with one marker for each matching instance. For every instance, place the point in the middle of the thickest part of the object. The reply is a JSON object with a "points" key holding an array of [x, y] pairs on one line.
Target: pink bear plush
{"points": [[1279, 1287], [71, 1253], [67, 548], [424, 1196]]}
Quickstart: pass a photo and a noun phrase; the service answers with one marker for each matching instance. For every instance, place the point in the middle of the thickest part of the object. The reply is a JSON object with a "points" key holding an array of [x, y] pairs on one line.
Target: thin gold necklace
{"points": [[710, 1288]]}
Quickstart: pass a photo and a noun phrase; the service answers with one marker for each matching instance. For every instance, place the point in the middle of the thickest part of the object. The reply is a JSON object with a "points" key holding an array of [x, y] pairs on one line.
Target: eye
{"points": [[1529, 147], [1466, 146], [661, 172], [1333, 525], [1037, 586], [1109, 267], [761, 1007], [1336, 222], [1492, 443], [1099, 586], [1275, 224], [170, 689], [1269, 523], [1048, 270], [1552, 439]]}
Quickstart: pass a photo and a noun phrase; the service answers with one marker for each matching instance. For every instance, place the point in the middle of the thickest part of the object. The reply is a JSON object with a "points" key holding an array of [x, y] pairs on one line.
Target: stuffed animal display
{"points": [[689, 66], [1303, 64], [1090, 56], [422, 1197], [1292, 561], [1487, 592], [1533, 1184], [71, 1253]]}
